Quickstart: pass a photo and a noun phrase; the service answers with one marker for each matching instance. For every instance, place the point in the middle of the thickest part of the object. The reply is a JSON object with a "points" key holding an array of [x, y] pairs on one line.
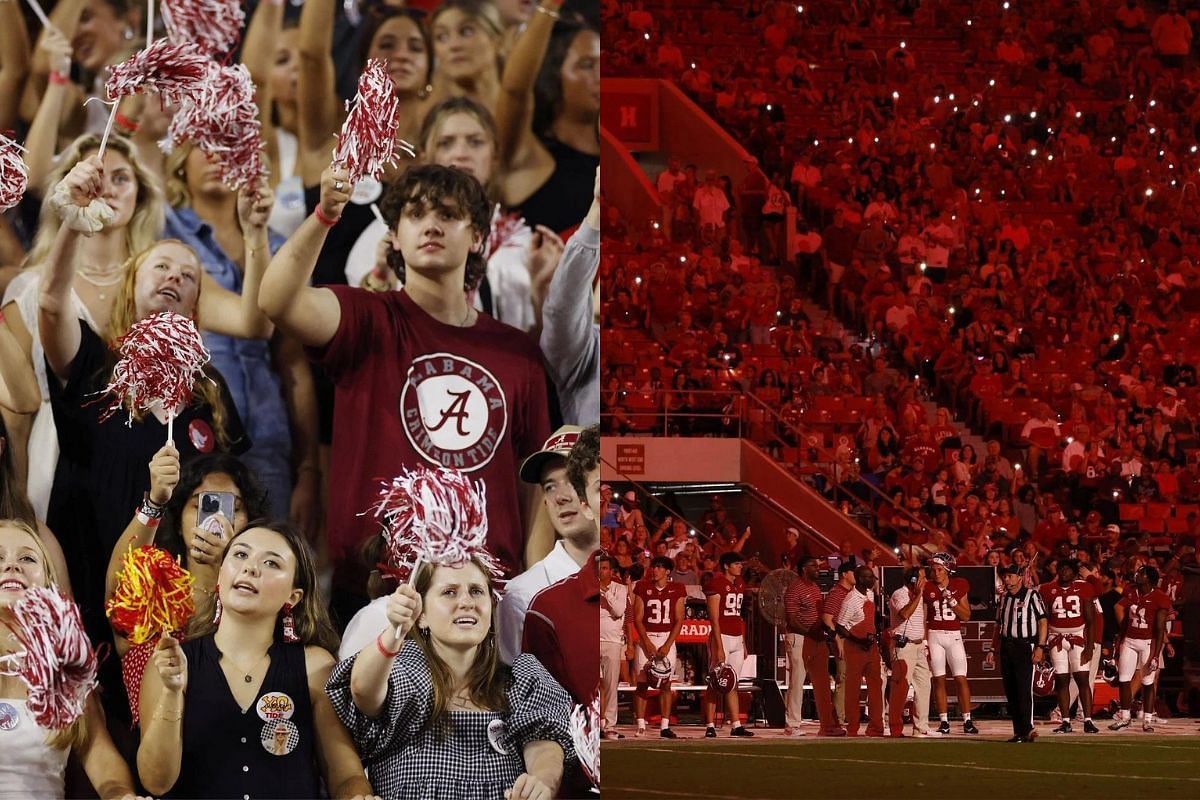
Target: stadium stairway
{"points": [[776, 484]]}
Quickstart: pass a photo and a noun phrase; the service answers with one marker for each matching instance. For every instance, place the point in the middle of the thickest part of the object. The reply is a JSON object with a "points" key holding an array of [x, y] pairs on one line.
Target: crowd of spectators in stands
{"points": [[995, 204]]}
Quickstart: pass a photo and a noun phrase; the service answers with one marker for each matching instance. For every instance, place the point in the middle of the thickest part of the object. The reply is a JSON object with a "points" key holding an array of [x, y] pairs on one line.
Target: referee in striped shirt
{"points": [[1021, 639]]}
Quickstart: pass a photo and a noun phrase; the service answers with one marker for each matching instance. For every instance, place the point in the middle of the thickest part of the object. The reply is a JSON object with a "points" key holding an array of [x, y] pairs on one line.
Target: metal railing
{"points": [[733, 420]]}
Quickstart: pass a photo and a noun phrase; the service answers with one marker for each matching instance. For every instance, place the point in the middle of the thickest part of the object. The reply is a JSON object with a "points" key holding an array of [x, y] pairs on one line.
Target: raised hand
{"points": [[164, 474], [403, 609], [171, 664], [335, 191], [254, 206], [85, 181]]}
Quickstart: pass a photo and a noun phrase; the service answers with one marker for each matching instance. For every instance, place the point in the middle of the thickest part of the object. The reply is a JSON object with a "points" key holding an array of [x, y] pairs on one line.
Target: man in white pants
{"points": [[910, 667], [802, 604], [614, 598]]}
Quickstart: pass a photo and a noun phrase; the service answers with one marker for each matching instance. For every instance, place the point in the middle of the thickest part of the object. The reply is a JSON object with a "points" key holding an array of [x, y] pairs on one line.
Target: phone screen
{"points": [[213, 503]]}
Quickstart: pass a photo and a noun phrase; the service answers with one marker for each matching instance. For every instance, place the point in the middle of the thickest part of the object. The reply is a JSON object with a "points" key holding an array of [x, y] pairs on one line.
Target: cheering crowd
{"points": [[427, 313]]}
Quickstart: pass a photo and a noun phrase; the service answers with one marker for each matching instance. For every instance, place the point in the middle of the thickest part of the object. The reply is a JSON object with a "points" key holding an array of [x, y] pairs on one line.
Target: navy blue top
{"points": [[269, 750]]}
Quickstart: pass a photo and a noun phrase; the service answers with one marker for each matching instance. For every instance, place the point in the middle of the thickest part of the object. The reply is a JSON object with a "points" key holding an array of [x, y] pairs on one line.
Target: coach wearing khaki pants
{"points": [[802, 604], [910, 665], [613, 600]]}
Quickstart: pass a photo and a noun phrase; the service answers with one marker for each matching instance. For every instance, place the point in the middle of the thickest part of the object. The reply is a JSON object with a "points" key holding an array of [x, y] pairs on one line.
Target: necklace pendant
{"points": [[249, 679]]}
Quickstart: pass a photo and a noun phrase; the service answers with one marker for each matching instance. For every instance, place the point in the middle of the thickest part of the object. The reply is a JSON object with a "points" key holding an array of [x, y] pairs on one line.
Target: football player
{"points": [[1142, 613], [946, 608], [1071, 605], [657, 618], [724, 592]]}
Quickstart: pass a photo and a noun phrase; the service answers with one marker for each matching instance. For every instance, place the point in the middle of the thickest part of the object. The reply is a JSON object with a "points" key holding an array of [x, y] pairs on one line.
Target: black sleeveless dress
{"points": [[267, 751]]}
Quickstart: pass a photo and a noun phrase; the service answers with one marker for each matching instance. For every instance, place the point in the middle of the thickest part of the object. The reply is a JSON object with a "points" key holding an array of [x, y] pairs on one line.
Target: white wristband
{"points": [[88, 220]]}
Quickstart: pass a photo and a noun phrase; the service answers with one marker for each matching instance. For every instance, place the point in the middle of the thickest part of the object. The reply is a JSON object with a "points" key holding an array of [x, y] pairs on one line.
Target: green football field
{"points": [[1107, 766]]}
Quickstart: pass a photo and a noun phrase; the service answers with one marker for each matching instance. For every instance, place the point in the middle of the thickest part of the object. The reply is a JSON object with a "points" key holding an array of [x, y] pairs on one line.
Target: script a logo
{"points": [[454, 411]]}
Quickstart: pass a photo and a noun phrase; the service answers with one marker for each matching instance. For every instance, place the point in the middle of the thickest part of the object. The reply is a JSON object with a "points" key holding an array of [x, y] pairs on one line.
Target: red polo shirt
{"points": [[562, 629]]}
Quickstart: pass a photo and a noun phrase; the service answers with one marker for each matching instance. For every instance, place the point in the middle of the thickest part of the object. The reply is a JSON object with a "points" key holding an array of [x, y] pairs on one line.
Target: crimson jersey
{"points": [[1140, 611], [939, 609], [658, 605], [1065, 604], [411, 390], [731, 603]]}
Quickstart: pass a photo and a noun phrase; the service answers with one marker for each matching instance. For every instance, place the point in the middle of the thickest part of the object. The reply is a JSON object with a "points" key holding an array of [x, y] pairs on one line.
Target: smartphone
{"points": [[213, 503]]}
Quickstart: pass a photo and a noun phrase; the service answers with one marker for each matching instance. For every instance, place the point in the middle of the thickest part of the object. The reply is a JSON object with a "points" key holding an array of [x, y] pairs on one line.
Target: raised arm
{"points": [[57, 322], [105, 768], [14, 61], [19, 391], [514, 109], [64, 17], [310, 314], [319, 115], [226, 312], [369, 676], [164, 476], [41, 144], [161, 704], [257, 55], [567, 339], [299, 394]]}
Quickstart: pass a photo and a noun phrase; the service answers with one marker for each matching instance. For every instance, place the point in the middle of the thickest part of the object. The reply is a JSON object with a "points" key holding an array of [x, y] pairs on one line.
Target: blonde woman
{"points": [[137, 204], [438, 714], [35, 758]]}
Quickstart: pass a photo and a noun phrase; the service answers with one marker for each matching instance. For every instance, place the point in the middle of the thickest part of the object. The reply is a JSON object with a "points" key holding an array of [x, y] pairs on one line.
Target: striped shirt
{"points": [[803, 600], [914, 626], [1019, 614], [857, 613]]}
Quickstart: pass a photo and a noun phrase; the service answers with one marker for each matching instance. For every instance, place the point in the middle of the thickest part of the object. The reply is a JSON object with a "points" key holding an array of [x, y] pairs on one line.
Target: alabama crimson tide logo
{"points": [[454, 411]]}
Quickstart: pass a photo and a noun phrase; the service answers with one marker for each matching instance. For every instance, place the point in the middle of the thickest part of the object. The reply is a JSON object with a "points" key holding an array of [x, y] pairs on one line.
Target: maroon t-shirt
{"points": [[411, 390]]}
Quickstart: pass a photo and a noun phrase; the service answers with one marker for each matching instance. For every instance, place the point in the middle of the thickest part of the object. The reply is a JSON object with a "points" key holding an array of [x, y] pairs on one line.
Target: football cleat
{"points": [[969, 727], [1090, 727], [667, 733], [1056, 715], [710, 732], [944, 728], [613, 735], [1120, 724], [1147, 727], [1065, 727], [741, 730], [640, 732]]}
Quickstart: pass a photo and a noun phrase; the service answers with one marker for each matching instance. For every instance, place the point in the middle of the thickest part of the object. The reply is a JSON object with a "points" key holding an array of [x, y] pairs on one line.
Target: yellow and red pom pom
{"points": [[153, 596]]}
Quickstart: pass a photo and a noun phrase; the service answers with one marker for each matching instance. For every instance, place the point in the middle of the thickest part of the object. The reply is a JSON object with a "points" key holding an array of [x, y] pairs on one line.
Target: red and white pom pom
{"points": [[161, 357], [214, 25], [57, 664], [221, 118], [437, 516], [170, 69], [367, 142], [14, 174], [585, 735]]}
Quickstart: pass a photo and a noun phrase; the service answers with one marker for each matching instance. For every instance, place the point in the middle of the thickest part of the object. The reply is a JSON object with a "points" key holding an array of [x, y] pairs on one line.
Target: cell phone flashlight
{"points": [[213, 503]]}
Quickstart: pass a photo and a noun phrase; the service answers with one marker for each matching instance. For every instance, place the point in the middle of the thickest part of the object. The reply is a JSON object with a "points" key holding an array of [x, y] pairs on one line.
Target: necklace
{"points": [[103, 279], [247, 673]]}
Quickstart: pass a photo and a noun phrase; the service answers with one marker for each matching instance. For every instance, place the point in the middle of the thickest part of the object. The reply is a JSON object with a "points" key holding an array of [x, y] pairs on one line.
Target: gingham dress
{"points": [[407, 761]]}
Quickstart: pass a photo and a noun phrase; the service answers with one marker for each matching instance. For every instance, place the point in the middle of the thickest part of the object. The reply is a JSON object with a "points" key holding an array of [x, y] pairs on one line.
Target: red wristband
{"points": [[386, 653], [59, 79], [324, 220], [125, 123]]}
